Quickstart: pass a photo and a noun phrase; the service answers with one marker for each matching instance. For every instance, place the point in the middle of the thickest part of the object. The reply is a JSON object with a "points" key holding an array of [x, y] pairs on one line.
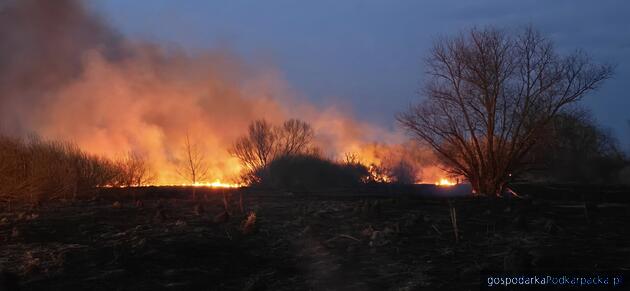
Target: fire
{"points": [[445, 182], [213, 95], [216, 184]]}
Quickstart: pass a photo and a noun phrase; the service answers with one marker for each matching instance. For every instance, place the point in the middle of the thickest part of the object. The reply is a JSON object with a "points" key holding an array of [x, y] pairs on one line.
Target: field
{"points": [[384, 239]]}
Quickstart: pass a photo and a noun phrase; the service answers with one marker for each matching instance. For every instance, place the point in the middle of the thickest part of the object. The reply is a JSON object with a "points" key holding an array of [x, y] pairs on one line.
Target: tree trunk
{"points": [[487, 186]]}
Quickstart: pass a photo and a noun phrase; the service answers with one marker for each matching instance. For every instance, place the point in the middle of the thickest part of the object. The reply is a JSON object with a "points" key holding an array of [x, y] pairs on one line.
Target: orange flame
{"points": [[445, 182], [216, 184]]}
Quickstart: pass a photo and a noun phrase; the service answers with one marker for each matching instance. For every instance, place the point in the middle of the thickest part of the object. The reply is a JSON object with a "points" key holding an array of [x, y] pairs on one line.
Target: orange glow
{"points": [[445, 182], [216, 184], [149, 102]]}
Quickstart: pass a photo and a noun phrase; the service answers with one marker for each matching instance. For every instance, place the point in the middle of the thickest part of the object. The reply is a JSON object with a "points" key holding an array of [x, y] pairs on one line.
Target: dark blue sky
{"points": [[367, 54]]}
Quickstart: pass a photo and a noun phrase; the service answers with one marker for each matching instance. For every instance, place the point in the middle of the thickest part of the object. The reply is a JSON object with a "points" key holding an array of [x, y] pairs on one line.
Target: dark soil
{"points": [[303, 242]]}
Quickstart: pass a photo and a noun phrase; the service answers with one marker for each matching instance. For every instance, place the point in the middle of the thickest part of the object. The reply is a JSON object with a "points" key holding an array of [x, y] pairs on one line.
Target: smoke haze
{"points": [[65, 74]]}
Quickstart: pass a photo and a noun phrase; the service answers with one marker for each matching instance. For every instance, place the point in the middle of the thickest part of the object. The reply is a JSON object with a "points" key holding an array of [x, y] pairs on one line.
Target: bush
{"points": [[579, 151], [302, 172], [32, 170], [403, 172], [132, 170], [265, 142]]}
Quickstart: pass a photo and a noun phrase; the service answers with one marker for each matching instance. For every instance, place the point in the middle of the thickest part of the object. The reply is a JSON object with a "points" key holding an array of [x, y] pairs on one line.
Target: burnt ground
{"points": [[304, 242]]}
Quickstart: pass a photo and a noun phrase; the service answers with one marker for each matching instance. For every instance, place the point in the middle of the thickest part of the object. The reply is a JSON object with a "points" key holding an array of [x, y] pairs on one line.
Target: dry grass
{"points": [[32, 170], [453, 216], [248, 225]]}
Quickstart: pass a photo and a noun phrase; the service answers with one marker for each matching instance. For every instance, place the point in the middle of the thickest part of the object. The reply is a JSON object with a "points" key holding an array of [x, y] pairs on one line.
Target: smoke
{"points": [[41, 48], [65, 74]]}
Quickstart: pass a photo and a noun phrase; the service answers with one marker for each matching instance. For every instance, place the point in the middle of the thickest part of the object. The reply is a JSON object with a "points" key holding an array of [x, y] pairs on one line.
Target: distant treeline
{"points": [[34, 169], [284, 157]]}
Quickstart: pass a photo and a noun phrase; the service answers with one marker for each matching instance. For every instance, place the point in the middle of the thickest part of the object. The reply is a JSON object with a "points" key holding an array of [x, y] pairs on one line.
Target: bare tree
{"points": [[293, 137], [134, 170], [265, 142], [256, 149], [489, 96], [193, 167]]}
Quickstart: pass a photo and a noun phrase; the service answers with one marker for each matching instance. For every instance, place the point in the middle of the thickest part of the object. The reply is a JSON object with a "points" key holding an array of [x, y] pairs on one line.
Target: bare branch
{"points": [[490, 95]]}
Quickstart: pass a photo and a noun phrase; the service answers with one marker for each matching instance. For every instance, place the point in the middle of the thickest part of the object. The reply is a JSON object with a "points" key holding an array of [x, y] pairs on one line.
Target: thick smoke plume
{"points": [[65, 74]]}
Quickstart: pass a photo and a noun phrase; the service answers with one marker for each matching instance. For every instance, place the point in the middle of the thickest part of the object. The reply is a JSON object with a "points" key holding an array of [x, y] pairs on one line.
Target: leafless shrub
{"points": [[403, 172], [193, 167], [293, 137], [265, 142], [256, 149], [133, 170], [33, 169], [578, 150]]}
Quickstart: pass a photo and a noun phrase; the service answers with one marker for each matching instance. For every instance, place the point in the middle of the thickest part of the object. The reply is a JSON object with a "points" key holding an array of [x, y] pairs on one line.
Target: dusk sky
{"points": [[368, 55]]}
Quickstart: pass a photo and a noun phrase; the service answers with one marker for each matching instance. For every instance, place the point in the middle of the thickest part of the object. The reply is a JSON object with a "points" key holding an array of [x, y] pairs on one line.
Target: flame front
{"points": [[216, 184], [445, 182]]}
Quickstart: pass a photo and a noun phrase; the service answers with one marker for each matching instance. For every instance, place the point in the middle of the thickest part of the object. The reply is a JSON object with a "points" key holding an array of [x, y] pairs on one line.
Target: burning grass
{"points": [[445, 182]]}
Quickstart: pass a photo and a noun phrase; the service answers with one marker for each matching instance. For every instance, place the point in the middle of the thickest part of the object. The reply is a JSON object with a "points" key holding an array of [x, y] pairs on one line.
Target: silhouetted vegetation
{"points": [[283, 157], [193, 167], [265, 142], [403, 172], [132, 170], [491, 95], [33, 170], [304, 172], [579, 151], [400, 171]]}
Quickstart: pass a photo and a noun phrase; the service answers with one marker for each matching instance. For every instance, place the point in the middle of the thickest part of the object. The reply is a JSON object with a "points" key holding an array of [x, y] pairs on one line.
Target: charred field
{"points": [[385, 238]]}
